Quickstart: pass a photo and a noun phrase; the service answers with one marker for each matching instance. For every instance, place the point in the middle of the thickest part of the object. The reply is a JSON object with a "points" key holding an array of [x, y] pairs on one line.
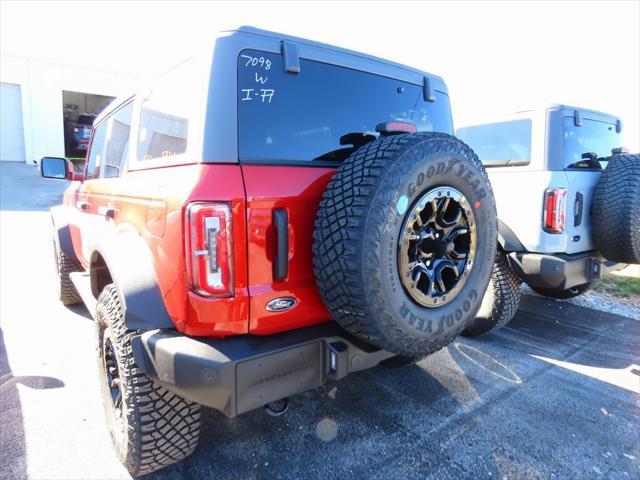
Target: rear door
{"points": [[292, 129], [594, 139]]}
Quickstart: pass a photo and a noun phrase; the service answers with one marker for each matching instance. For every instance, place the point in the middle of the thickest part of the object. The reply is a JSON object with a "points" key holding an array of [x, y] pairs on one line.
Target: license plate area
{"points": [[278, 375]]}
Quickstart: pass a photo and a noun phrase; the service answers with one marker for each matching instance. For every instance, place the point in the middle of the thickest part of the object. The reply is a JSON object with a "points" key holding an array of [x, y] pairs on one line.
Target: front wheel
{"points": [[150, 427], [564, 294]]}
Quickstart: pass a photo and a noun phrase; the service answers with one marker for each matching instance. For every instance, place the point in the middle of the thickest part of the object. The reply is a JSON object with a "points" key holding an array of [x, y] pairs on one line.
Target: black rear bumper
{"points": [[560, 271], [237, 374]]}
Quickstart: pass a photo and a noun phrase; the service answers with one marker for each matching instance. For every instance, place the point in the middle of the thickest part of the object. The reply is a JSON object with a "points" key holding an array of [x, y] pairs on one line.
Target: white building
{"points": [[33, 95]]}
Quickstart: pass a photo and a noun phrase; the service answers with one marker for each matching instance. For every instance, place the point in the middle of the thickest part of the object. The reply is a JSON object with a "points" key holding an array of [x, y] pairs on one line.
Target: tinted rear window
{"points": [[592, 137], [285, 117], [499, 142]]}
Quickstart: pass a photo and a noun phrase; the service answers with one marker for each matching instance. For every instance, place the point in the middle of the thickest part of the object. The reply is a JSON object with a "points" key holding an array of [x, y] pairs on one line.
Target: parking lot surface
{"points": [[553, 395]]}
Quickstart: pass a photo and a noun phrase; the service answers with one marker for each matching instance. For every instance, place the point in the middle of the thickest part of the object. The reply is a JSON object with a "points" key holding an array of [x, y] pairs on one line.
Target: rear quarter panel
{"points": [[151, 202]]}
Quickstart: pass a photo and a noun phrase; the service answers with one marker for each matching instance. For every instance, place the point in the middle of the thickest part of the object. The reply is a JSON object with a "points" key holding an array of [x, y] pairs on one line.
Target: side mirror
{"points": [[58, 167]]}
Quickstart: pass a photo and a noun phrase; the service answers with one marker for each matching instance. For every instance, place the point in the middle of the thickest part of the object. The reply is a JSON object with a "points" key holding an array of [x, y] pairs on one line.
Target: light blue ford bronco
{"points": [[568, 201]]}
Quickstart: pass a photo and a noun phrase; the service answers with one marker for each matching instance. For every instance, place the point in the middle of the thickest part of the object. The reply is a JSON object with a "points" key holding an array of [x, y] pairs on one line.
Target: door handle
{"points": [[281, 260], [82, 205], [107, 212], [577, 208]]}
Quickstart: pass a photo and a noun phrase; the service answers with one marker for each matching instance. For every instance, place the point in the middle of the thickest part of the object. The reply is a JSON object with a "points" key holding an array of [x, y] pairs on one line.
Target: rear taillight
{"points": [[208, 248], [555, 200]]}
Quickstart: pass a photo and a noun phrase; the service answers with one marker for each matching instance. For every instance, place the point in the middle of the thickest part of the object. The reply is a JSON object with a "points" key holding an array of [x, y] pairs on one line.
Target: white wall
{"points": [[42, 84]]}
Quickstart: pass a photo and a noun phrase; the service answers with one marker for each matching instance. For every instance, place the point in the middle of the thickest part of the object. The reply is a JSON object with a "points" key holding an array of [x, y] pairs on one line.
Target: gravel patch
{"points": [[627, 307]]}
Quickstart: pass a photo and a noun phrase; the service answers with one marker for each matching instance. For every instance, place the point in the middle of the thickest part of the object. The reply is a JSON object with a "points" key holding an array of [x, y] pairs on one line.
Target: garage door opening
{"points": [[79, 111]]}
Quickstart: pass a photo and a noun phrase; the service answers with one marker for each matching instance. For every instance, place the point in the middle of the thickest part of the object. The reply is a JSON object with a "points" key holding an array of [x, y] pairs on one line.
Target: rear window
{"points": [[285, 117], [500, 144], [593, 139]]}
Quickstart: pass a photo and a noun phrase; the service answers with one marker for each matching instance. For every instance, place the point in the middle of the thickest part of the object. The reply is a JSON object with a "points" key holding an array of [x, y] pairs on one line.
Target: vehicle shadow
{"points": [[455, 414], [13, 455]]}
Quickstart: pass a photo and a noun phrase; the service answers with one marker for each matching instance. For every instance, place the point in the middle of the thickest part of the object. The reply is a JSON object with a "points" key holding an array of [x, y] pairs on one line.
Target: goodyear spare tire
{"points": [[405, 241], [616, 210]]}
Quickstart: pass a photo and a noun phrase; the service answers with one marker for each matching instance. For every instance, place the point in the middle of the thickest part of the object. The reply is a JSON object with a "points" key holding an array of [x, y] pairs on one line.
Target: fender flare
{"points": [[507, 239], [60, 223], [127, 257]]}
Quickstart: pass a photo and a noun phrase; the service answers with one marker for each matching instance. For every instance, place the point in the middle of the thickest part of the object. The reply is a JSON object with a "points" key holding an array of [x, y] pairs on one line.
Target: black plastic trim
{"points": [[61, 229], [286, 163], [508, 239], [560, 271], [290, 57], [281, 260], [577, 118], [238, 374], [578, 208], [426, 90]]}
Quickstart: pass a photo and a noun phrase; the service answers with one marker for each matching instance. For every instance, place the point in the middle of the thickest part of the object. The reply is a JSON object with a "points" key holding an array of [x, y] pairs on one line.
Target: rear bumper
{"points": [[238, 374], [560, 271]]}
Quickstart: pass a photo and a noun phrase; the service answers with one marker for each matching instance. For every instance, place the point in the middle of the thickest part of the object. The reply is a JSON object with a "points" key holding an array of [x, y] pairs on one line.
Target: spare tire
{"points": [[616, 210], [405, 240]]}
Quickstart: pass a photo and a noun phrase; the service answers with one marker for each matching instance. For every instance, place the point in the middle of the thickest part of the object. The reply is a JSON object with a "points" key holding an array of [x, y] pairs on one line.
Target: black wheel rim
{"points": [[112, 377], [437, 247]]}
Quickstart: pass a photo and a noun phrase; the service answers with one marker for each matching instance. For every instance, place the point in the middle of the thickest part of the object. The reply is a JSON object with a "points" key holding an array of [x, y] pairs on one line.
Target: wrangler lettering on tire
{"points": [[405, 239]]}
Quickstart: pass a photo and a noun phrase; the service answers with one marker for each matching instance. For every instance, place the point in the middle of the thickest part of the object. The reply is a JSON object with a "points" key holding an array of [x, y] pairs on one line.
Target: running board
{"points": [[82, 282]]}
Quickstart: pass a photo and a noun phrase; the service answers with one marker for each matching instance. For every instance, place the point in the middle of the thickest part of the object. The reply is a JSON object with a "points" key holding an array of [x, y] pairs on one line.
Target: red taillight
{"points": [[208, 248], [555, 200]]}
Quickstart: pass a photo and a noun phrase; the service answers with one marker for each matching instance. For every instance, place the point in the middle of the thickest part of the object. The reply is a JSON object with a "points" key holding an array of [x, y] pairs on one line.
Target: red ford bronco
{"points": [[268, 216]]}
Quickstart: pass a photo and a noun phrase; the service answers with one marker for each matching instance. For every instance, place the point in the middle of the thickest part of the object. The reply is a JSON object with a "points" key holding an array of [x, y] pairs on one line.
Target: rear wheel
{"points": [[404, 242], [500, 302], [150, 427], [564, 294]]}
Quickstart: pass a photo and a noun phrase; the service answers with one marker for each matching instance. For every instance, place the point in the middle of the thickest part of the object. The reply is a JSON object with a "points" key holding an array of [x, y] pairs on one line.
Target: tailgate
{"points": [[281, 208]]}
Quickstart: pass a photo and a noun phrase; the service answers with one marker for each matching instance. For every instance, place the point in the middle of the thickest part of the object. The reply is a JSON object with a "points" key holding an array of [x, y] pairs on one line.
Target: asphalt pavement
{"points": [[553, 395]]}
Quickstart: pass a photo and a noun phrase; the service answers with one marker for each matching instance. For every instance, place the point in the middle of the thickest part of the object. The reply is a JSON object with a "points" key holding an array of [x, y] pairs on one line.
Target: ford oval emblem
{"points": [[281, 304]]}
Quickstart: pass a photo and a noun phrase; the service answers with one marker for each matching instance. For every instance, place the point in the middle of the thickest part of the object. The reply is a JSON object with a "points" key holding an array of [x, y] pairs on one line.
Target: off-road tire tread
{"points": [[66, 264], [506, 299], [616, 210], [163, 428], [345, 210]]}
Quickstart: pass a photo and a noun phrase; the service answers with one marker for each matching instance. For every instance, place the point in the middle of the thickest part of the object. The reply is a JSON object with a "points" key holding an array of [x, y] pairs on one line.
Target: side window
{"points": [[117, 141], [164, 116], [96, 154]]}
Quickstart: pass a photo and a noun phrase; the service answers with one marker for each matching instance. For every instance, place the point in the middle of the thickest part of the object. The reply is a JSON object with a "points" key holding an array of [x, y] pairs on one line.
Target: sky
{"points": [[496, 57]]}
